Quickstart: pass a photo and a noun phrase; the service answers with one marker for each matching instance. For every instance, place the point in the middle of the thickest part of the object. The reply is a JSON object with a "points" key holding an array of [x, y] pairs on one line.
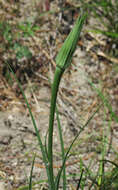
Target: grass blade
{"points": [[78, 185], [57, 180], [30, 181], [34, 124], [106, 33], [62, 148], [105, 101]]}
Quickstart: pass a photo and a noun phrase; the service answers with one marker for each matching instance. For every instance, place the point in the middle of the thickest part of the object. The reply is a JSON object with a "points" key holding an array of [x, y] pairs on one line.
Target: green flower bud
{"points": [[64, 57]]}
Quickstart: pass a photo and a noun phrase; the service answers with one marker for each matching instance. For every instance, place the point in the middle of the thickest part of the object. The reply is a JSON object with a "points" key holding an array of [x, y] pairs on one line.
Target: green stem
{"points": [[54, 91]]}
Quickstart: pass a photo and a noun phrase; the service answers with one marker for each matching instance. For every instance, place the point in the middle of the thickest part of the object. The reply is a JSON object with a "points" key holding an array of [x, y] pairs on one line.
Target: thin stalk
{"points": [[54, 90], [62, 148], [31, 172], [63, 60], [78, 185]]}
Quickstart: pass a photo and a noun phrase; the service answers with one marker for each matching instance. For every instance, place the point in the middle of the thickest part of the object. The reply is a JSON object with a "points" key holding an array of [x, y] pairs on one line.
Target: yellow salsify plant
{"points": [[63, 60]]}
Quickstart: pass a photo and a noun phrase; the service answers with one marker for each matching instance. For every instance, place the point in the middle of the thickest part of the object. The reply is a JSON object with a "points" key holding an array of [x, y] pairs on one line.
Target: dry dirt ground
{"points": [[77, 101]]}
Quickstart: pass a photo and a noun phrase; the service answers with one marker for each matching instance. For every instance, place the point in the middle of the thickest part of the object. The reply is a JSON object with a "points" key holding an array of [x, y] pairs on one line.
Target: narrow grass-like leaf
{"points": [[57, 180], [62, 148], [113, 163], [103, 153], [105, 101], [106, 33], [46, 150], [34, 124], [81, 165], [30, 181], [78, 185]]}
